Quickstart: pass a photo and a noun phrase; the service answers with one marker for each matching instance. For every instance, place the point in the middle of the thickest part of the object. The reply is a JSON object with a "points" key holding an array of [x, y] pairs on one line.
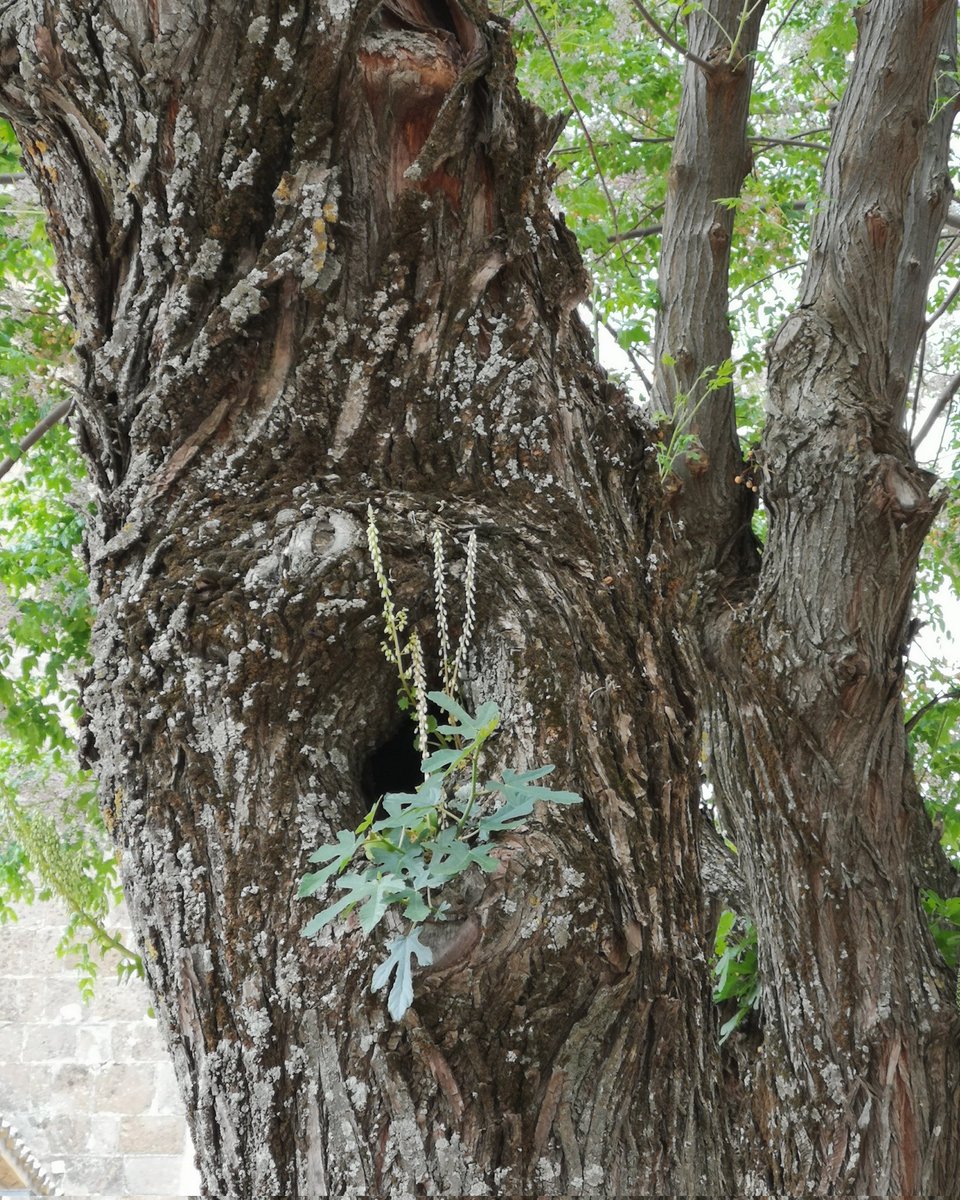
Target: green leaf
{"points": [[381, 893], [520, 794], [440, 759], [370, 891], [346, 847], [400, 952], [448, 704], [330, 913], [478, 728], [724, 925]]}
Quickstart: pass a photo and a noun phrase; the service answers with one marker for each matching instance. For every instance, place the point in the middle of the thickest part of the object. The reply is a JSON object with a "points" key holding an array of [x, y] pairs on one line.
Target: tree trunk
{"points": [[311, 265], [801, 648]]}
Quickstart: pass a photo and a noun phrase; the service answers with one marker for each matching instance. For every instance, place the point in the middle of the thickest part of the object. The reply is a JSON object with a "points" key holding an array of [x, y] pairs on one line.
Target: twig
{"points": [[626, 350], [779, 29], [772, 141], [941, 403], [579, 115], [947, 301], [952, 694], [943, 431], [631, 234], [748, 287], [54, 416], [671, 40], [921, 362], [745, 14], [951, 243]]}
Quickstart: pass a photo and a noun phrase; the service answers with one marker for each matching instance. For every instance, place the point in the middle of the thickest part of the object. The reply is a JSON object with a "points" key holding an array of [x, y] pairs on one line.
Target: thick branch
{"points": [[927, 210], [859, 231], [710, 160]]}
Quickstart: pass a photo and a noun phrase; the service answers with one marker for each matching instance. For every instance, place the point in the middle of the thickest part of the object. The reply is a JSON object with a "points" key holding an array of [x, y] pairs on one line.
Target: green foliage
{"points": [[736, 968], [932, 688], [55, 849], [57, 846], [935, 746], [625, 84], [410, 846], [943, 920], [674, 437]]}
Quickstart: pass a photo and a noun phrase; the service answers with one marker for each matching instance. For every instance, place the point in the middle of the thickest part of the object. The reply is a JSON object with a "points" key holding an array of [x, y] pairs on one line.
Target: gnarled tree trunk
{"points": [[312, 266]]}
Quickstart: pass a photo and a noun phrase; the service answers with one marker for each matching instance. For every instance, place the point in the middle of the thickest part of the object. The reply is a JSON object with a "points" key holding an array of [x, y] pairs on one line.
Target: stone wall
{"points": [[89, 1087]]}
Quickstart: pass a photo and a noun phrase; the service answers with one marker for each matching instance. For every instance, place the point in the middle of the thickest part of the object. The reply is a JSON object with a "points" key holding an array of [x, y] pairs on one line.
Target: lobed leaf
{"points": [[400, 952]]}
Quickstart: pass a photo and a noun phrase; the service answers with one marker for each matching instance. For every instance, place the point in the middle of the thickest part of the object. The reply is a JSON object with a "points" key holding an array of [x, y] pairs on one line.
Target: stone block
{"points": [[168, 1091], [36, 949], [95, 1043], [104, 1133], [116, 1001], [68, 1134], [61, 1011], [125, 1088], [11, 1041], [25, 1090], [93, 1175], [150, 1134], [49, 1043], [19, 995], [73, 1087], [60, 1001], [138, 1041], [154, 1174]]}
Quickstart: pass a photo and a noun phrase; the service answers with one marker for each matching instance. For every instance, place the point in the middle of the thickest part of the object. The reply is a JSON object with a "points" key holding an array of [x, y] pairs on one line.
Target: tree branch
{"points": [[881, 140], [926, 210], [952, 694], [774, 141], [939, 406], [667, 37], [53, 417], [579, 115], [644, 379], [710, 159], [633, 234]]}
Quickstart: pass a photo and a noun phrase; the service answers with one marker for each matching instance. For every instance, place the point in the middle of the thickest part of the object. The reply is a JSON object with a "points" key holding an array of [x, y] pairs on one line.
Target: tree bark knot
{"points": [[904, 492]]}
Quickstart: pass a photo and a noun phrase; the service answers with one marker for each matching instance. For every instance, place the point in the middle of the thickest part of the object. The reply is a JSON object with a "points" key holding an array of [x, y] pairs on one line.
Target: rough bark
{"points": [[854, 1079], [711, 159], [311, 265]]}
